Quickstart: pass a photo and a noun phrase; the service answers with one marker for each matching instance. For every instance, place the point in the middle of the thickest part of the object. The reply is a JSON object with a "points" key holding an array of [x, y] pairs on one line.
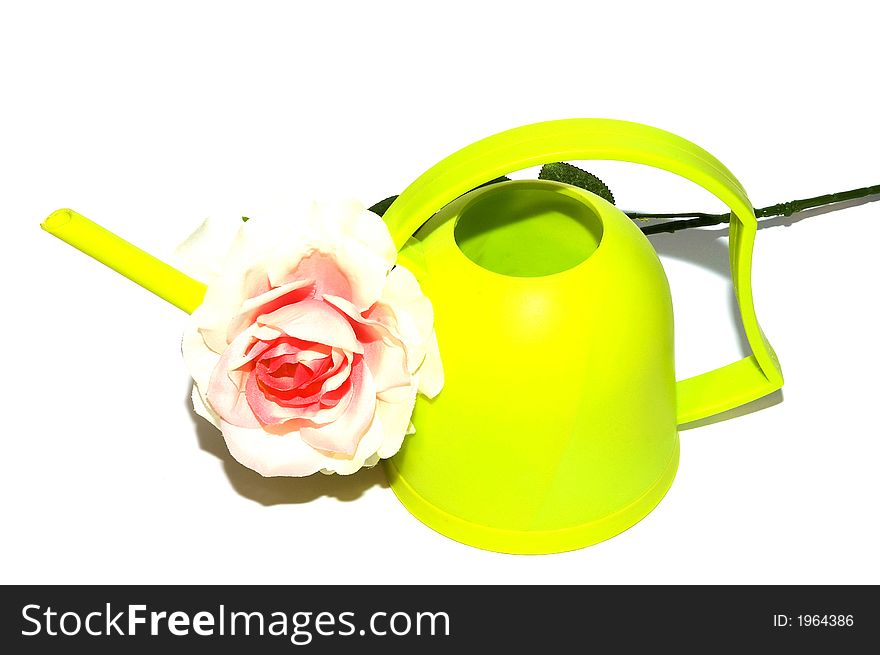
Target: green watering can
{"points": [[558, 423]]}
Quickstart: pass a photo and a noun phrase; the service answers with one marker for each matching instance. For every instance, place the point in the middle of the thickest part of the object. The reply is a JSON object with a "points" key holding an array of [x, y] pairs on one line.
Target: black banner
{"points": [[50, 619]]}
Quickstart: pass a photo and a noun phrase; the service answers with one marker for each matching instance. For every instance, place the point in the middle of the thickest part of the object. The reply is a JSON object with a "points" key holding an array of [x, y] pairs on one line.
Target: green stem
{"points": [[700, 219]]}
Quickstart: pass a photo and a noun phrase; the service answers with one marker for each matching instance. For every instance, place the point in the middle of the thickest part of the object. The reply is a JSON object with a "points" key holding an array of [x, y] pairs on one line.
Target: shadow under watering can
{"points": [[558, 424]]}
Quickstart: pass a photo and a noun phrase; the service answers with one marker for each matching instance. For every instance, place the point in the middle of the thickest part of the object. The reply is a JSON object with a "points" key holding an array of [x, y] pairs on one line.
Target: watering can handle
{"points": [[700, 396]]}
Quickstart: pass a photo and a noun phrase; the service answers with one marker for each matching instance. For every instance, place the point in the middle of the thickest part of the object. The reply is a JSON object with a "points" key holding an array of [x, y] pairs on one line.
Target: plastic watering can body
{"points": [[557, 425]]}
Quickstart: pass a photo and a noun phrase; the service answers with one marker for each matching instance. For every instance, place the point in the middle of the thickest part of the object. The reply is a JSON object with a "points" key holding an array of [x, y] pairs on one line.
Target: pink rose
{"points": [[310, 346]]}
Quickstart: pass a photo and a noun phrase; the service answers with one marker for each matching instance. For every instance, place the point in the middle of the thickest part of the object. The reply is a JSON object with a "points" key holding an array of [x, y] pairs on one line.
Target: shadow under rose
{"points": [[281, 490]]}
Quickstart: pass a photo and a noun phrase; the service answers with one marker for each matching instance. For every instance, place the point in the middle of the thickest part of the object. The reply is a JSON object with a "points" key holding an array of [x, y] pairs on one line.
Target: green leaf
{"points": [[245, 219], [382, 206], [503, 178], [562, 172]]}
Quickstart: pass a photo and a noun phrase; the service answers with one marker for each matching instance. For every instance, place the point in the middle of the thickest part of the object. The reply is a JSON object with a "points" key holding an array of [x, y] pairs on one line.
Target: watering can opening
{"points": [[527, 230]]}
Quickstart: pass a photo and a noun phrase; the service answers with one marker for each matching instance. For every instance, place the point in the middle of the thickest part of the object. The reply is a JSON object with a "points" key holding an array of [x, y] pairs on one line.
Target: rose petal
{"points": [[267, 302], [414, 315], [369, 462], [368, 229], [305, 351], [224, 393], [366, 270], [395, 421], [316, 321], [253, 352], [202, 409], [343, 434], [198, 358], [276, 408], [366, 450], [288, 375], [201, 254], [222, 302], [339, 371], [360, 247], [324, 271], [387, 363], [243, 274], [272, 454], [384, 351], [430, 374], [288, 455]]}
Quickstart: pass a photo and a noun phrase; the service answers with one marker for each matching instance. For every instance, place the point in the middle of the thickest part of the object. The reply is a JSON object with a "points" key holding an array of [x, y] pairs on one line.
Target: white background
{"points": [[147, 120]]}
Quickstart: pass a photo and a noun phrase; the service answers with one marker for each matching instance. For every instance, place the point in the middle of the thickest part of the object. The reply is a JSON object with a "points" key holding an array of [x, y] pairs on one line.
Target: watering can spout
{"points": [[125, 258]]}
